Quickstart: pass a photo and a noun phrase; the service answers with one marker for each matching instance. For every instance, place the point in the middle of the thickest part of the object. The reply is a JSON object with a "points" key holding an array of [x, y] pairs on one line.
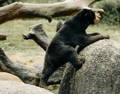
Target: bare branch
{"points": [[26, 74], [37, 33], [48, 11]]}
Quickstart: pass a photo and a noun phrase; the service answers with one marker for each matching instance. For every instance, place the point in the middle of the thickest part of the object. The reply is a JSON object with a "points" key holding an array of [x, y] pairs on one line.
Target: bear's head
{"points": [[88, 16]]}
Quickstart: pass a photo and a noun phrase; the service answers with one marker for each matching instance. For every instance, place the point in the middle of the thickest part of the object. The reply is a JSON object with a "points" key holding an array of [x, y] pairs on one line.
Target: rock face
{"points": [[7, 76], [12, 87], [99, 75]]}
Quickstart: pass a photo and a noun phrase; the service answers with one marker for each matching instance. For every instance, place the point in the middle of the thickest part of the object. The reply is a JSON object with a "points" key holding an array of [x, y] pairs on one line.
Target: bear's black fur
{"points": [[62, 47]]}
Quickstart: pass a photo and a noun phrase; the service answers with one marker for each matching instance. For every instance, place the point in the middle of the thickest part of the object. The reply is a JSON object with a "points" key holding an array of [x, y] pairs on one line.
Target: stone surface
{"points": [[7, 76], [12, 87], [99, 75]]}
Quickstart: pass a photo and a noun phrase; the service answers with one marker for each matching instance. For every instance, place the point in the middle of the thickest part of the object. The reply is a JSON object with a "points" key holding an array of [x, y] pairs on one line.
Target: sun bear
{"points": [[62, 47]]}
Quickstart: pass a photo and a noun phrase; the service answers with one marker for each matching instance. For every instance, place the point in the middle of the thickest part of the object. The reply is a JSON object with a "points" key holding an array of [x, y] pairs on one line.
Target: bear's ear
{"points": [[85, 11], [87, 14]]}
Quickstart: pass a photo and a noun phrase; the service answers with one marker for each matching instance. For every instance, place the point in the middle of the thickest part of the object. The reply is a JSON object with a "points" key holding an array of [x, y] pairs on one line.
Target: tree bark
{"points": [[26, 74], [37, 34], [27, 10]]}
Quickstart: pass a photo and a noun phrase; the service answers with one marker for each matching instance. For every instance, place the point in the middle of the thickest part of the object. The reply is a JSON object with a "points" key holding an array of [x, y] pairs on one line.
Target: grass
{"points": [[27, 51]]}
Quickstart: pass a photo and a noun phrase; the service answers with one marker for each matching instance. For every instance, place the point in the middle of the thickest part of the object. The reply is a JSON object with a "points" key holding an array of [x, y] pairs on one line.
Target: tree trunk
{"points": [[99, 75], [48, 11], [26, 74]]}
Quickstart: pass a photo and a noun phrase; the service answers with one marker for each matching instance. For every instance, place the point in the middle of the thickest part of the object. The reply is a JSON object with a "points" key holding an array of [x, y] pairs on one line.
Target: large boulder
{"points": [[13, 87], [99, 75], [4, 76]]}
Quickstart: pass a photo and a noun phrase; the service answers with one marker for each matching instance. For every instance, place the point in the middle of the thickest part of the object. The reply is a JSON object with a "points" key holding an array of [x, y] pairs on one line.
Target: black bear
{"points": [[62, 47]]}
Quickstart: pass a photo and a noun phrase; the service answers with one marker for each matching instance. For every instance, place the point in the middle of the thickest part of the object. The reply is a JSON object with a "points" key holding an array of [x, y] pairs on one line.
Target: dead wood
{"points": [[37, 34], [26, 74], [28, 10]]}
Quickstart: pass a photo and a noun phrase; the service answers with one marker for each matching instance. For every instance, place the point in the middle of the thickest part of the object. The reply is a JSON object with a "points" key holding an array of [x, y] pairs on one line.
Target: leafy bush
{"points": [[112, 11], [5, 2]]}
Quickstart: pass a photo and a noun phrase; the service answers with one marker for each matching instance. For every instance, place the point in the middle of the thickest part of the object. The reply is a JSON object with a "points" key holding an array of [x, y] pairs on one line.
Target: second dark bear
{"points": [[62, 47]]}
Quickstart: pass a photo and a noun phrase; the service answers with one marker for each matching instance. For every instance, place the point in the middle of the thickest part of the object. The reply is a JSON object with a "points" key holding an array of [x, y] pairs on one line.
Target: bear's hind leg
{"points": [[75, 61], [47, 72]]}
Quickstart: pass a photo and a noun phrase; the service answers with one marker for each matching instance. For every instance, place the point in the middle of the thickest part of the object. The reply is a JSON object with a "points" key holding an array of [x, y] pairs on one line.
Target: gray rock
{"points": [[99, 75], [13, 87], [9, 77]]}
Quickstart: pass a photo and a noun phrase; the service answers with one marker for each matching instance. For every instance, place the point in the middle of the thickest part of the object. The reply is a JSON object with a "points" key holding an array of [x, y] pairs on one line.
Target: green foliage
{"points": [[11, 1], [112, 11], [7, 2]]}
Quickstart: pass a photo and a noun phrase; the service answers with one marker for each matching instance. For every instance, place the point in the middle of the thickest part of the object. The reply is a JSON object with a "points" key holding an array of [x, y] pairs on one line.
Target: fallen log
{"points": [[19, 10], [26, 74]]}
